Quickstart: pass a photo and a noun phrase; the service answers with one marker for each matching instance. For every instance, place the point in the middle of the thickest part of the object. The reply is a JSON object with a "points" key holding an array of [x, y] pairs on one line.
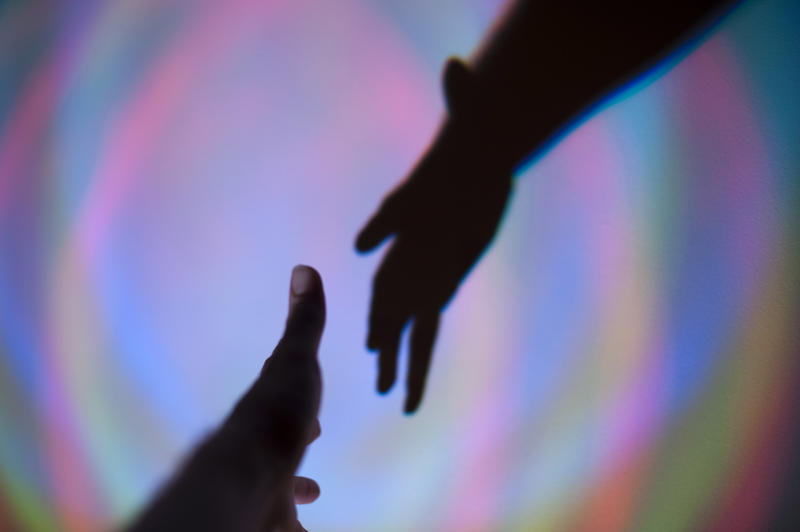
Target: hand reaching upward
{"points": [[241, 478]]}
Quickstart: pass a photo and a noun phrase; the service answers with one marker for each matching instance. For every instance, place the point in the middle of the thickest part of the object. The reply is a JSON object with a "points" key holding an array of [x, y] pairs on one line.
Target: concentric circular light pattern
{"points": [[620, 359]]}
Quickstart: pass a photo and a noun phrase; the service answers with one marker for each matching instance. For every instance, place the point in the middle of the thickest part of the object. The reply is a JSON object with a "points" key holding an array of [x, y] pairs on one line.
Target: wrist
{"points": [[471, 122]]}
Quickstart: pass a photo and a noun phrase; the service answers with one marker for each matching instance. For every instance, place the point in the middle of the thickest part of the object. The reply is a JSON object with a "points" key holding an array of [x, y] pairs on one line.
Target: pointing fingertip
{"points": [[302, 280]]}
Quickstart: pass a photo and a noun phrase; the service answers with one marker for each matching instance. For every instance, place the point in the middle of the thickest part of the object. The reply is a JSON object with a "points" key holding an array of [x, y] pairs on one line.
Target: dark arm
{"points": [[549, 62], [543, 66]]}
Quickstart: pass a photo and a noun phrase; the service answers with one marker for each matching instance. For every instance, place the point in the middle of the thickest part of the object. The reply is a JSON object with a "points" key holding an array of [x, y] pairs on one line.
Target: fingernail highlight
{"points": [[302, 280]]}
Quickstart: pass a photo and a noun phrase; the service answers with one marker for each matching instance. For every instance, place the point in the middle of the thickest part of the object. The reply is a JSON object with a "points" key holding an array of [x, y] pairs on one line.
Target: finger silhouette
{"points": [[386, 220], [284, 401], [423, 336], [458, 86], [388, 314], [385, 325], [387, 362], [244, 472], [305, 490], [306, 317]]}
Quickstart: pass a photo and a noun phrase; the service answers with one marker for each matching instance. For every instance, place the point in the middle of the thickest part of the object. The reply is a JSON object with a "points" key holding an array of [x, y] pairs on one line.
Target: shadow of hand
{"points": [[442, 217]]}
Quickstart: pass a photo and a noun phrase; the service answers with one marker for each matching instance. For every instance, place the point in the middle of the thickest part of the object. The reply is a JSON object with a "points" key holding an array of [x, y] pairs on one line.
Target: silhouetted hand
{"points": [[442, 217], [242, 476]]}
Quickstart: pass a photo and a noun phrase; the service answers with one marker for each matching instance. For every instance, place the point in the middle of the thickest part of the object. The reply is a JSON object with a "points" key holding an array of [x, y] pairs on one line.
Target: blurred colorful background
{"points": [[624, 357]]}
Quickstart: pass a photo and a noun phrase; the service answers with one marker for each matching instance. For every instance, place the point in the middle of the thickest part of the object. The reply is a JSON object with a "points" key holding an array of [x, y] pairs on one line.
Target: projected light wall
{"points": [[622, 357]]}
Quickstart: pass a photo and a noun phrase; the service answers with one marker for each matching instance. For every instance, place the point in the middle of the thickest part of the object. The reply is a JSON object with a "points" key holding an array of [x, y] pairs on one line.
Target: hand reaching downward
{"points": [[442, 218]]}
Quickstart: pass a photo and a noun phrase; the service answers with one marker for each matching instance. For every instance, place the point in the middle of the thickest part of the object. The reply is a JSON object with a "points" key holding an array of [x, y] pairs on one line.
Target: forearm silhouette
{"points": [[545, 65]]}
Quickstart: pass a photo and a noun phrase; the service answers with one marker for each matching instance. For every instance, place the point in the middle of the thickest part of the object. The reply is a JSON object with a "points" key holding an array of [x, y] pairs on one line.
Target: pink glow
{"points": [[136, 130], [28, 121], [475, 498], [736, 188]]}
